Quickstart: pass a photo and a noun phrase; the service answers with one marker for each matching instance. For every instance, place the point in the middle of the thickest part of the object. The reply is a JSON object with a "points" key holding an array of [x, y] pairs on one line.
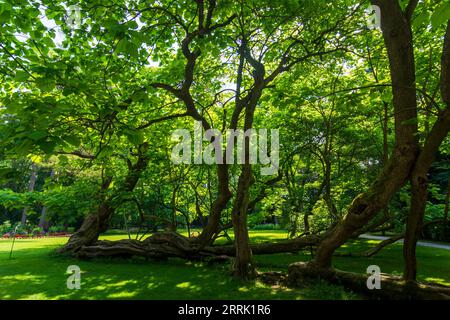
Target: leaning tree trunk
{"points": [[419, 180], [385, 147], [398, 39], [94, 224], [224, 195], [243, 265], [419, 183]]}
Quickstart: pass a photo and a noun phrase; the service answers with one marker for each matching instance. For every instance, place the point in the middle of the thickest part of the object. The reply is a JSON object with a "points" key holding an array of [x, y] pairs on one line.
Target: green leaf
{"points": [[121, 46], [135, 137], [132, 49], [132, 25], [441, 15], [21, 75], [386, 96], [5, 6], [37, 135], [45, 84], [24, 147], [5, 171], [47, 146], [63, 159], [73, 140], [423, 17], [127, 47]]}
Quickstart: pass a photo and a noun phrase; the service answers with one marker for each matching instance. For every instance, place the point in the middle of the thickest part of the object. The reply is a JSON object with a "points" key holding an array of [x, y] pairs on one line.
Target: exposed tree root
{"points": [[273, 277], [391, 287]]}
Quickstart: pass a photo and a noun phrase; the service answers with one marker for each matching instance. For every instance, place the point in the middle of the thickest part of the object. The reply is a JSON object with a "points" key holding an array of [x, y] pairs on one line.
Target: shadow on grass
{"points": [[36, 274], [43, 276]]}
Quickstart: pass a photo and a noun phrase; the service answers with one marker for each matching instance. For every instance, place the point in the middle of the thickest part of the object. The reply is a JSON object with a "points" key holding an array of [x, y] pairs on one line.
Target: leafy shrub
{"points": [[21, 229], [439, 231], [57, 228], [12, 200], [6, 227], [267, 226], [36, 231]]}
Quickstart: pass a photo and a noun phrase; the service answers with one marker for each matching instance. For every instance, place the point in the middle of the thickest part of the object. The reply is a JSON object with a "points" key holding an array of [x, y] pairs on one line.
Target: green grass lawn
{"points": [[35, 273]]}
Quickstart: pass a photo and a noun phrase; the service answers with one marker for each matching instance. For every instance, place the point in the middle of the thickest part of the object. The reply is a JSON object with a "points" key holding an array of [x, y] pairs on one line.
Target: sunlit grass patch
{"points": [[36, 273]]}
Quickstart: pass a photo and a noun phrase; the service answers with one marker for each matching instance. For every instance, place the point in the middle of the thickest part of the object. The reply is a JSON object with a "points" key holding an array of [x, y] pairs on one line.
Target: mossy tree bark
{"points": [[243, 265]]}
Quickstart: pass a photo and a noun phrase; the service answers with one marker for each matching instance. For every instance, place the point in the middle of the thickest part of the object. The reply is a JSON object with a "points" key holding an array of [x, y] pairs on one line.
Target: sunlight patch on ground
{"points": [[36, 296], [36, 273], [189, 286], [152, 285], [122, 295], [243, 289], [22, 277], [123, 283], [437, 280], [99, 288]]}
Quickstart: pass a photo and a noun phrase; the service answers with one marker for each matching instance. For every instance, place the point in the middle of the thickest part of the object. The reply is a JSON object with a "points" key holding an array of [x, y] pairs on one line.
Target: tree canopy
{"points": [[92, 91]]}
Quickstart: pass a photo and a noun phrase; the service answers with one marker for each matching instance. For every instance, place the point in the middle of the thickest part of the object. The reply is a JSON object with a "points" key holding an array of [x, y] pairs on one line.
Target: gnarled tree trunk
{"points": [[419, 180], [243, 265], [223, 197], [398, 39], [171, 244], [94, 224]]}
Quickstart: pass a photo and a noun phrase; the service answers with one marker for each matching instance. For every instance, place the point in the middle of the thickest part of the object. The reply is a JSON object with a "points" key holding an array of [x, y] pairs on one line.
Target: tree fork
{"points": [[398, 40], [419, 180]]}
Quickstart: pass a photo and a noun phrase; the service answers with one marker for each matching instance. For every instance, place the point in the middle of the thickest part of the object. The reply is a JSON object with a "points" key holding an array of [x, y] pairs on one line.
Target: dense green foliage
{"points": [[79, 98], [91, 93]]}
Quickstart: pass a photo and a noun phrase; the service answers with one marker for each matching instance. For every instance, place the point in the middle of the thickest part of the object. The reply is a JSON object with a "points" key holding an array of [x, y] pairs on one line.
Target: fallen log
{"points": [[392, 287], [172, 244], [159, 245], [293, 245]]}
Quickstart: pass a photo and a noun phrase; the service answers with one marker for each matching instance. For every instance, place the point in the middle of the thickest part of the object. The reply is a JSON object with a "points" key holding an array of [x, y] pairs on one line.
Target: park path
{"points": [[419, 243]]}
